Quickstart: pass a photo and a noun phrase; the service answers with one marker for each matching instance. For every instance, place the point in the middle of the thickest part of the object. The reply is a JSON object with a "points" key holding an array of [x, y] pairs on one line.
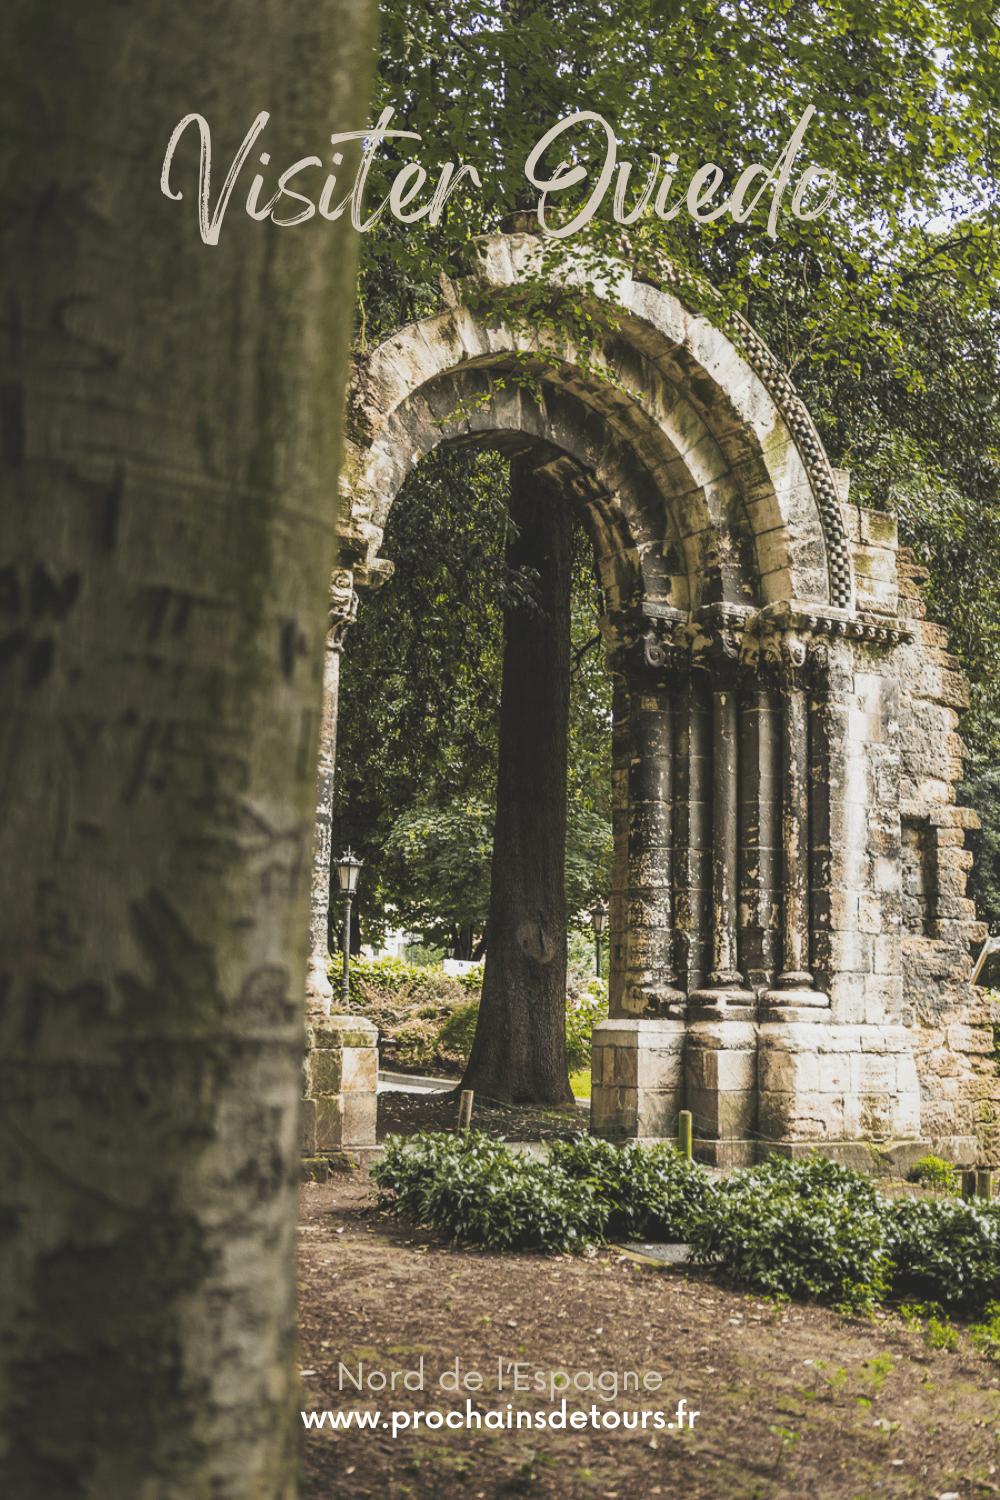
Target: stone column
{"points": [[794, 986], [760, 835], [341, 1086], [342, 612], [721, 1050], [340, 1070], [651, 982], [725, 991], [693, 831], [637, 1055]]}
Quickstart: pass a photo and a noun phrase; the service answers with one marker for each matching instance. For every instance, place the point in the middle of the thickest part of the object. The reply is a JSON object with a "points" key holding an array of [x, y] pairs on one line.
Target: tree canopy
{"points": [[884, 309]]}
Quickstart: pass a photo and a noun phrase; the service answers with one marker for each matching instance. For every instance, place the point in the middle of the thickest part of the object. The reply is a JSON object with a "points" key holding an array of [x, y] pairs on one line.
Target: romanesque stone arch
{"points": [[759, 653]]}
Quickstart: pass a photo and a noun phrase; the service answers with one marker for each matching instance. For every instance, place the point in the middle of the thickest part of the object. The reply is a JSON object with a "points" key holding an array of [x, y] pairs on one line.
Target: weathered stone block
{"points": [[326, 1070], [345, 1120], [625, 1067], [719, 1114], [308, 1119], [878, 529], [801, 1117], [359, 1069], [789, 1072], [870, 913], [656, 1113], [969, 1039], [343, 1031], [887, 954], [722, 1071], [873, 1074], [660, 1069], [874, 564]]}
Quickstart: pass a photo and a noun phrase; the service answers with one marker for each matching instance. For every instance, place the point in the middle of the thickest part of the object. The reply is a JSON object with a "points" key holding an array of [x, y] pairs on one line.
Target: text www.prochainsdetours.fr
{"points": [[500, 1419]]}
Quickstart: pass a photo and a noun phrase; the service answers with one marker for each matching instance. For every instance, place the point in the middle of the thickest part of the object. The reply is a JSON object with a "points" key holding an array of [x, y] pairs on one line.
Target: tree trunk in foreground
{"points": [[519, 1052], [169, 425]]}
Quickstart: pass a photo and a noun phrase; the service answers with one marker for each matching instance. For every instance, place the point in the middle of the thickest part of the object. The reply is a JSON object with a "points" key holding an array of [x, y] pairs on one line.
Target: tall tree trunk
{"points": [[169, 426], [519, 1052]]}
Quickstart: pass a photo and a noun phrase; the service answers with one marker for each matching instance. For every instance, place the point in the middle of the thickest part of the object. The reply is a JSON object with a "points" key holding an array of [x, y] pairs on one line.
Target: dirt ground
{"points": [[404, 1113], [792, 1402]]}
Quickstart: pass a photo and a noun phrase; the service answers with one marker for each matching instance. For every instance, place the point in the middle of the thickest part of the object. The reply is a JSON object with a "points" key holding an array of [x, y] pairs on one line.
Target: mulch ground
{"points": [[790, 1403], [403, 1114]]}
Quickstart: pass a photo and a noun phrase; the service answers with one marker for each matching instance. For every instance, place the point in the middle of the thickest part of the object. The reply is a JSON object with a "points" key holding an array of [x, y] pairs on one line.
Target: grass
{"points": [[580, 1083]]}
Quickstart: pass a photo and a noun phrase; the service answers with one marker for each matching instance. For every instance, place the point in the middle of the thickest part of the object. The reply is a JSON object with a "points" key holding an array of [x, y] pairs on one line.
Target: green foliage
{"points": [[427, 1018], [982, 792], [437, 867], [879, 1369], [422, 1013], [471, 1187], [985, 1336], [649, 1193], [458, 1031], [809, 1229], [580, 958], [589, 1010], [939, 1334], [947, 1250], [932, 1171], [420, 695]]}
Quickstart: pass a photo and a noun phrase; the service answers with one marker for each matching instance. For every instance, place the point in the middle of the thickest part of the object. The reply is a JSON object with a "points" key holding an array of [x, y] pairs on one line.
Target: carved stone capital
{"points": [[719, 641], [719, 652], [342, 608], [666, 648]]}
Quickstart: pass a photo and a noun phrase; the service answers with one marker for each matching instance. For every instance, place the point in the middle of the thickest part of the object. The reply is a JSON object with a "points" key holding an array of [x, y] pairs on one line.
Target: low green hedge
{"points": [[427, 1018], [648, 1192], [473, 1188], [811, 1229]]}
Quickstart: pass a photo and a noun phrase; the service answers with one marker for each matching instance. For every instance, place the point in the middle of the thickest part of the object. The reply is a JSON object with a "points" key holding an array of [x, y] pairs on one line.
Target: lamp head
{"points": [[598, 915], [348, 870]]}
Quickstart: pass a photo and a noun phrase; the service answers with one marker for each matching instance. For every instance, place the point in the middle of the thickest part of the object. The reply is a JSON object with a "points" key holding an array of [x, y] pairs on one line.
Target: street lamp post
{"points": [[348, 870], [598, 917]]}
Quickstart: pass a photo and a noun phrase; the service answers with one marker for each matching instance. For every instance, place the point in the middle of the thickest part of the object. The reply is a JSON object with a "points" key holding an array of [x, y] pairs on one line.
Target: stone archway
{"points": [[756, 641]]}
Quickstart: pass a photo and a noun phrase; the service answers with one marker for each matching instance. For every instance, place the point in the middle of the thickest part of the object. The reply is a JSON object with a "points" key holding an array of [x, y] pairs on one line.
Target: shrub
{"points": [[949, 1251], [653, 1191], [427, 1018], [932, 1171], [472, 1187], [455, 1036], [412, 1005], [589, 1010], [811, 1229], [985, 1336]]}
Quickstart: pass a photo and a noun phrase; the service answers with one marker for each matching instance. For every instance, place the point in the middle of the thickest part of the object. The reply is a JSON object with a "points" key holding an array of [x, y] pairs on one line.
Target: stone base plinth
{"points": [[720, 1070], [341, 1086], [836, 1083], [637, 1078], [882, 1159], [730, 1152]]}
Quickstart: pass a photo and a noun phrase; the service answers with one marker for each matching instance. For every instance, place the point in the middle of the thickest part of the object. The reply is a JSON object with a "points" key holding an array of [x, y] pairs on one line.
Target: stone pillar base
{"points": [[637, 1078], [720, 1069], [837, 1083], [793, 1001], [341, 1086]]}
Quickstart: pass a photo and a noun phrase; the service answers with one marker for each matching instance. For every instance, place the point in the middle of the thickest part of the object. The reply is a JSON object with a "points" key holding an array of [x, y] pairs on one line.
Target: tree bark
{"points": [[519, 1051], [169, 428]]}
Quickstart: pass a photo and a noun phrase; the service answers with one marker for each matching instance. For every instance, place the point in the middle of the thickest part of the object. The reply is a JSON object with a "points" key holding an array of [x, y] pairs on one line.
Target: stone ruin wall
{"points": [[917, 865], [872, 1030]]}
